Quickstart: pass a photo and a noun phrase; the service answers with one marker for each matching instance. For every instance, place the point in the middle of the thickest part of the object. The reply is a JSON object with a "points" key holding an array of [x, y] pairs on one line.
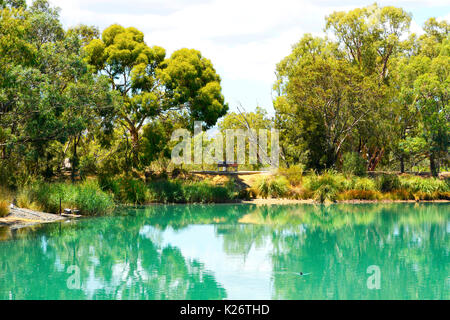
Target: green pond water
{"points": [[234, 252]]}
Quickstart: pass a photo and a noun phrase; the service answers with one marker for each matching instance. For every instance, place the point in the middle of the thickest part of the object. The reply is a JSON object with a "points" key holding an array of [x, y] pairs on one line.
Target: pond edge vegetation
{"points": [[97, 196]]}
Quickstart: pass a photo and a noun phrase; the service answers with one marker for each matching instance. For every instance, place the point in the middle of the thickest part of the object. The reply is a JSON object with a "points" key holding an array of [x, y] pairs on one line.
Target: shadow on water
{"points": [[130, 255]]}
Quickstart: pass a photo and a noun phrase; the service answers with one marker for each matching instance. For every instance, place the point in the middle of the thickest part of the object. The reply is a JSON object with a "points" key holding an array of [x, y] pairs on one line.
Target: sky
{"points": [[244, 39]]}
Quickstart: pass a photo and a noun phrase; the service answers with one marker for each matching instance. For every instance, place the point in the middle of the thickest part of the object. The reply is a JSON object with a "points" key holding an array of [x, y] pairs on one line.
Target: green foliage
{"points": [[272, 187], [371, 87], [338, 181], [365, 184], [178, 191], [360, 195], [4, 208], [132, 191], [424, 185], [293, 174], [90, 200], [166, 191], [86, 197], [354, 164], [388, 182], [326, 187]]}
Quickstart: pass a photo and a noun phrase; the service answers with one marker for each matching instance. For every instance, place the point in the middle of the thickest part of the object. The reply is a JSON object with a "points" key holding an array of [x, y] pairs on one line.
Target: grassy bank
{"points": [[46, 197], [331, 186], [100, 196], [136, 192]]}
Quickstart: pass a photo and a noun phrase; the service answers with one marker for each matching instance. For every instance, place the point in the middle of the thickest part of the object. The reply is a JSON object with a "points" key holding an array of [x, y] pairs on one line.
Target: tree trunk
{"points": [[74, 158], [134, 146], [402, 164], [433, 167]]}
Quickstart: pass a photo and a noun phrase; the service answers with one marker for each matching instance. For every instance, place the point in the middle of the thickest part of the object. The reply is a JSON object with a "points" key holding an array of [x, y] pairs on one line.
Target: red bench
{"points": [[226, 165]]}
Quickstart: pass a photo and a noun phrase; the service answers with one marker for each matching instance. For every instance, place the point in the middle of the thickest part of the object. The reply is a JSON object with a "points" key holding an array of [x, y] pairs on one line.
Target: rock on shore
{"points": [[20, 218]]}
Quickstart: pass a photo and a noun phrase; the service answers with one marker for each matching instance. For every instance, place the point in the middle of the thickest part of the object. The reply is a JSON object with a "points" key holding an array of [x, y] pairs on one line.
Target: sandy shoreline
{"points": [[290, 201], [21, 218]]}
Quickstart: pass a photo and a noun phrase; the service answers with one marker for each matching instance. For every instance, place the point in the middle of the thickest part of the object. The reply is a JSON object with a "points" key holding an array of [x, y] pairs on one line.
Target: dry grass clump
{"points": [[360, 195], [5, 200], [4, 208]]}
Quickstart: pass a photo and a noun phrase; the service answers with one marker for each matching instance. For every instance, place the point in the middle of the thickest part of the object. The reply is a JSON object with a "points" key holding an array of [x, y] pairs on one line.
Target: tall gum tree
{"points": [[150, 85], [425, 88], [334, 96]]}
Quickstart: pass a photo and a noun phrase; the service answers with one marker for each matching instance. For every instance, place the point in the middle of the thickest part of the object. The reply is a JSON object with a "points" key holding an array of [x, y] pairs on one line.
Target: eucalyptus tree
{"points": [[425, 89], [323, 98], [150, 85], [335, 96], [47, 94]]}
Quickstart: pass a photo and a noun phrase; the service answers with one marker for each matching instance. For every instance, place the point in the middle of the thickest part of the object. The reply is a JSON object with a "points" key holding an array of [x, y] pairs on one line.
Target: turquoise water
{"points": [[235, 252]]}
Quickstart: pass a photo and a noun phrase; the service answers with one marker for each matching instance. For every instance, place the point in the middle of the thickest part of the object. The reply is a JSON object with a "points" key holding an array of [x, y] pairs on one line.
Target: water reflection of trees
{"points": [[116, 261], [123, 256], [409, 242]]}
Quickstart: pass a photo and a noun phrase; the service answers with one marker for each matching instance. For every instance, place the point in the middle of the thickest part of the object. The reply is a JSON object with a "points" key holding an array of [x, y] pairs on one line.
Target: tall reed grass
{"points": [[86, 197]]}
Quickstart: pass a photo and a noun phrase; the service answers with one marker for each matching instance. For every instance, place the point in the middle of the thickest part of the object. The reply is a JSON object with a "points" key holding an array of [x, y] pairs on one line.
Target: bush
{"points": [[4, 208], [91, 200], [443, 195], [177, 191], [300, 194], [354, 164], [364, 184], [293, 174], [401, 194], [424, 185], [166, 191], [86, 197], [360, 195], [272, 187], [327, 186], [132, 191], [388, 182], [205, 192], [326, 192]]}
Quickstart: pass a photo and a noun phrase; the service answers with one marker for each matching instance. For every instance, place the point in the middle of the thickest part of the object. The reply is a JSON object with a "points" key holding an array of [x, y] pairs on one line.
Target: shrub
{"points": [[204, 192], [279, 187], [388, 182], [424, 185], [90, 199], [246, 194], [272, 187], [4, 208], [326, 192], [109, 184], [41, 196], [364, 184], [360, 195], [327, 186], [354, 164], [443, 195], [177, 191], [87, 197], [166, 191], [132, 191], [401, 194], [293, 174], [300, 193]]}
